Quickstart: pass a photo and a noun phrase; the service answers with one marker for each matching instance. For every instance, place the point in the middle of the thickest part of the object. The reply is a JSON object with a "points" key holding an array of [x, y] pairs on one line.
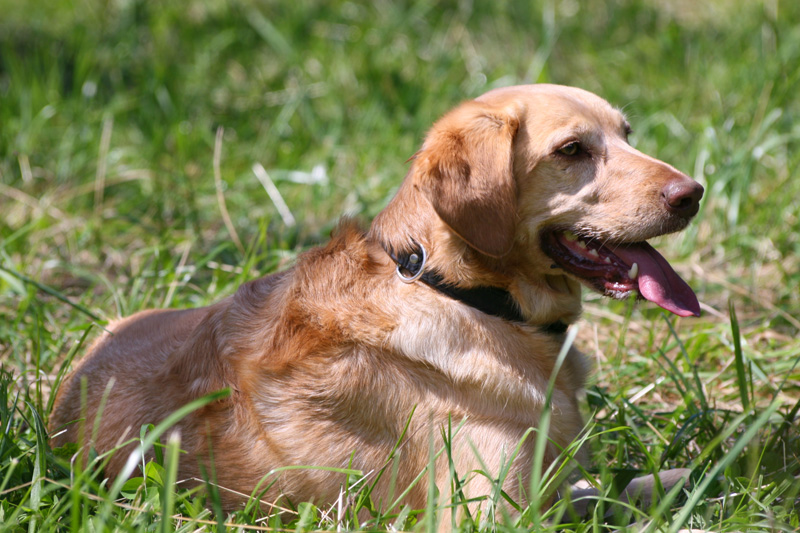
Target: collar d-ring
{"points": [[414, 264]]}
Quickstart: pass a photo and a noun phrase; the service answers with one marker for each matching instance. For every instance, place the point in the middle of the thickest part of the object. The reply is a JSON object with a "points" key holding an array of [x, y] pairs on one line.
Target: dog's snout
{"points": [[682, 197]]}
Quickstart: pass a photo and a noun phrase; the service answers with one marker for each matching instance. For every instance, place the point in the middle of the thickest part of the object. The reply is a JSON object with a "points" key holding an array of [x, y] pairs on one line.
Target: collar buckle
{"points": [[415, 264]]}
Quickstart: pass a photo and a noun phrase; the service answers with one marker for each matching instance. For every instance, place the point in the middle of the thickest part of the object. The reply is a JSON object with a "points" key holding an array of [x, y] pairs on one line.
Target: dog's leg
{"points": [[639, 491]]}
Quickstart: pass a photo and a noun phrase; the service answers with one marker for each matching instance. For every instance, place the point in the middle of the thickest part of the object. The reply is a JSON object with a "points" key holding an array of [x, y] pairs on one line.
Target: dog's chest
{"points": [[470, 394]]}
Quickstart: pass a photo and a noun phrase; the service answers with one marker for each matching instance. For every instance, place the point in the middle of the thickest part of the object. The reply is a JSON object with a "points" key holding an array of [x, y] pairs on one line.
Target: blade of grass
{"points": [[168, 488], [457, 497], [490, 514], [210, 481], [390, 460], [64, 368], [701, 394], [39, 466], [741, 374], [51, 291], [223, 208], [543, 431], [419, 477], [431, 518]]}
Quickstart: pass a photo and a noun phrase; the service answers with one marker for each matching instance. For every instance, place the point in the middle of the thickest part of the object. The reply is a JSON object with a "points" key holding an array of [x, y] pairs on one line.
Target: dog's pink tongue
{"points": [[658, 282]]}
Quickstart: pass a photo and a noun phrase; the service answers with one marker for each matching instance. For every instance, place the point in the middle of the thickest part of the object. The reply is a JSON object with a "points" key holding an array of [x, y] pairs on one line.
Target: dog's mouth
{"points": [[619, 270]]}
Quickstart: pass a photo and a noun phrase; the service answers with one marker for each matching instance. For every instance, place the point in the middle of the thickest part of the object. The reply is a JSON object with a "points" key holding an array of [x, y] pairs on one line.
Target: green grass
{"points": [[109, 204]]}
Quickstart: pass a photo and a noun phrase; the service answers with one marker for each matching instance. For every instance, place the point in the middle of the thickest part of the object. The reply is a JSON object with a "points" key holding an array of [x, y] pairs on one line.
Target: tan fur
{"points": [[327, 360]]}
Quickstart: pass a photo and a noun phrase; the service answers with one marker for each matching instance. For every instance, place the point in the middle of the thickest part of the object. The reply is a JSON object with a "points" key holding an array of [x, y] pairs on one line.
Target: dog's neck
{"points": [[409, 220]]}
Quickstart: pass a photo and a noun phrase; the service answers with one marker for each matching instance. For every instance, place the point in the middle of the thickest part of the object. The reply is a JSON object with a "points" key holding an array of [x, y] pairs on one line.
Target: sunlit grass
{"points": [[109, 204]]}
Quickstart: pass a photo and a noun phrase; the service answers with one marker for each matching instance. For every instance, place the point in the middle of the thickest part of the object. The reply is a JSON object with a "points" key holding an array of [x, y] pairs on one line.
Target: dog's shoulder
{"points": [[329, 299], [325, 273]]}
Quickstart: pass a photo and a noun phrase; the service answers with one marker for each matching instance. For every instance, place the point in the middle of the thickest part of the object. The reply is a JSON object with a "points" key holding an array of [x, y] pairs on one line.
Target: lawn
{"points": [[129, 135]]}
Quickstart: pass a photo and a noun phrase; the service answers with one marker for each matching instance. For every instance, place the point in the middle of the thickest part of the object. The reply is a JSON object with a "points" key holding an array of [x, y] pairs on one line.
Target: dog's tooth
{"points": [[582, 244], [570, 236], [607, 259], [594, 253], [633, 273]]}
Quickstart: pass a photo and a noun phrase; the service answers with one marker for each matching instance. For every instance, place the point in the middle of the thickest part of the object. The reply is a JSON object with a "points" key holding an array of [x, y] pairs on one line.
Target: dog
{"points": [[452, 306]]}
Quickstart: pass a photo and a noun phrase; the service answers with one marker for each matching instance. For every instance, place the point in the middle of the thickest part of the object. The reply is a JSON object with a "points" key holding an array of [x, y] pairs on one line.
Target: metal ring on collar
{"points": [[415, 277]]}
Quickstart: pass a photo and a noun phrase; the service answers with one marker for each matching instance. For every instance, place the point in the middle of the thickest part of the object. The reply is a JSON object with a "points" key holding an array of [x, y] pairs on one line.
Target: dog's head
{"points": [[540, 180]]}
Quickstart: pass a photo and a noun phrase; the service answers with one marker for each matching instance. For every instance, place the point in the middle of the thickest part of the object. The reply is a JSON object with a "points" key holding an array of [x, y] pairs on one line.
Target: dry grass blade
{"points": [[102, 164], [223, 208], [274, 195]]}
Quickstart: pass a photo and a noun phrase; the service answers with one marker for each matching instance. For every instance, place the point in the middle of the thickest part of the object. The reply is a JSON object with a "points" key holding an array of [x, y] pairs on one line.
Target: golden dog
{"points": [[453, 305]]}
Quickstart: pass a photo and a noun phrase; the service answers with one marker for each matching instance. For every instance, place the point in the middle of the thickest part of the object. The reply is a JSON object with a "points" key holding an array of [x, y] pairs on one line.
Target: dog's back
{"points": [[121, 371]]}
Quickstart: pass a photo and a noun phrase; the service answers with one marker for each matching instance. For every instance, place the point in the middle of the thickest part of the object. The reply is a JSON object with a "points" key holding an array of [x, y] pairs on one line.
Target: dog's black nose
{"points": [[682, 197]]}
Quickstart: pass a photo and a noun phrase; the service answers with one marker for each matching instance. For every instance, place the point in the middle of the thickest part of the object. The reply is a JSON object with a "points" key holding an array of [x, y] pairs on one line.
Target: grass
{"points": [[117, 194]]}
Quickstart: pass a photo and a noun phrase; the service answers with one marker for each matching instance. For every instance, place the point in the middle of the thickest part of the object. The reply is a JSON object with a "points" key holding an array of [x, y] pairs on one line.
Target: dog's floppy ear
{"points": [[465, 169]]}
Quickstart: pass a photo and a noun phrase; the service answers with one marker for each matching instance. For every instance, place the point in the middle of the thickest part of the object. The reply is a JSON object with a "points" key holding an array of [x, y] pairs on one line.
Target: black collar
{"points": [[493, 301]]}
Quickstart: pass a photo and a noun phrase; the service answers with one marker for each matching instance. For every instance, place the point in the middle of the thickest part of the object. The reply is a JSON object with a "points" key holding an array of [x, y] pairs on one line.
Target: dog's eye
{"points": [[570, 149]]}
